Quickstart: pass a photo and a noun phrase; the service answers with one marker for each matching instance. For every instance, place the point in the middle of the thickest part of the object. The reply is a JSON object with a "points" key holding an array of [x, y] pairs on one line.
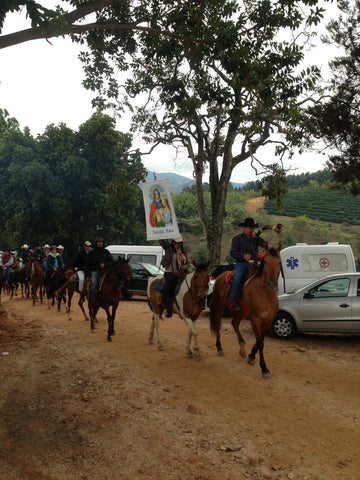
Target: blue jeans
{"points": [[240, 269], [94, 282]]}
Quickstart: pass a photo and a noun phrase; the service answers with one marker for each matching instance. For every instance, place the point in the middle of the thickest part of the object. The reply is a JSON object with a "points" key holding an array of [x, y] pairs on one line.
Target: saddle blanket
{"points": [[159, 287]]}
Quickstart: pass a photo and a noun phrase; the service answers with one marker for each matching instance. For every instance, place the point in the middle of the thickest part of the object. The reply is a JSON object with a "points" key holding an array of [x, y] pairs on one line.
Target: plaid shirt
{"points": [[241, 245]]}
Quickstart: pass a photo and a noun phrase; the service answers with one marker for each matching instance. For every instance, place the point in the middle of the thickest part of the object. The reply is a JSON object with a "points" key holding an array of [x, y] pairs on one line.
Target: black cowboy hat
{"points": [[249, 222]]}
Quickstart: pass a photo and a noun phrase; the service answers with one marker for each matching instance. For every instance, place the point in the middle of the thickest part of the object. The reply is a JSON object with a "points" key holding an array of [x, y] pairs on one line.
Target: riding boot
{"points": [[236, 305], [169, 306]]}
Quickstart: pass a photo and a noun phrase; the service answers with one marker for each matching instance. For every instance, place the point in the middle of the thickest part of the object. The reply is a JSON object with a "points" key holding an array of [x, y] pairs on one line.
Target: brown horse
{"points": [[190, 302], [110, 293], [36, 279], [259, 304], [71, 287]]}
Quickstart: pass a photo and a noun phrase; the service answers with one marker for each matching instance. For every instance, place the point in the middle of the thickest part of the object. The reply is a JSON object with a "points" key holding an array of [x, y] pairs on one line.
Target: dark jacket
{"points": [[95, 257], [80, 259], [53, 261]]}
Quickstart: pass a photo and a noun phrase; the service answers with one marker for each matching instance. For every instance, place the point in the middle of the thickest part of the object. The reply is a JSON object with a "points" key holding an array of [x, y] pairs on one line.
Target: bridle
{"points": [[196, 298]]}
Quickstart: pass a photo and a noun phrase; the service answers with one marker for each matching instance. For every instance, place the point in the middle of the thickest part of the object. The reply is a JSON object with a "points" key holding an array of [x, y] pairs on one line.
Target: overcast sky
{"points": [[40, 84]]}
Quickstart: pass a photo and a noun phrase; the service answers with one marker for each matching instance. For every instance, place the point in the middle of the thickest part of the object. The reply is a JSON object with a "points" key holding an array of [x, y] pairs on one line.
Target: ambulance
{"points": [[303, 263]]}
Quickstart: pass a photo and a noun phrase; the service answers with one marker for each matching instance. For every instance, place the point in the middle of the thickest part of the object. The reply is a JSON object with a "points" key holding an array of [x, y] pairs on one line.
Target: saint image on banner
{"points": [[159, 211]]}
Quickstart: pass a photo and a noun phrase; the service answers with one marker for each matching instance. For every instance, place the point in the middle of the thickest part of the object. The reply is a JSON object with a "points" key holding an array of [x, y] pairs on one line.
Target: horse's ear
{"points": [[194, 263], [279, 247], [128, 259], [266, 246]]}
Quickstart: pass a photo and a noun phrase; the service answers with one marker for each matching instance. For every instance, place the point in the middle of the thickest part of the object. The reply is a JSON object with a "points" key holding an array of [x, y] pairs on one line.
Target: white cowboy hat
{"points": [[25, 245], [178, 240], [60, 247]]}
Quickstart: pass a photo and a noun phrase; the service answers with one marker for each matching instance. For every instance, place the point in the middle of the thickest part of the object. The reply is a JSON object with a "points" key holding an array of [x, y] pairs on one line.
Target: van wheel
{"points": [[283, 326]]}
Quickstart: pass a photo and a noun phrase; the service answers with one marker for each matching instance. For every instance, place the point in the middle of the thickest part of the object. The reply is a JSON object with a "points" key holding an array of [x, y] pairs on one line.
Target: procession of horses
{"points": [[258, 302]]}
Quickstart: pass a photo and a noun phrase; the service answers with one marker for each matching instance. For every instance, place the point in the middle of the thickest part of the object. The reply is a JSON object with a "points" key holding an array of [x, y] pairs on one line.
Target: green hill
{"points": [[319, 203]]}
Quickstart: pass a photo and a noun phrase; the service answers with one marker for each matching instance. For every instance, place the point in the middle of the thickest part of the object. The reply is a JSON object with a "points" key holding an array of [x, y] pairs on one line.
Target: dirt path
{"points": [[74, 406]]}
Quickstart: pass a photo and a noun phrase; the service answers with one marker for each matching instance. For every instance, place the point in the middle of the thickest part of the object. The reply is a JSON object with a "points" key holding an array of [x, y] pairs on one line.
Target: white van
{"points": [[138, 253], [303, 263]]}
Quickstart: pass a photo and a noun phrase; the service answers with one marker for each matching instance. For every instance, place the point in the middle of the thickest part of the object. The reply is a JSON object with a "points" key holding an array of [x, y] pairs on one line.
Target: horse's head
{"points": [[122, 268], [271, 266], [200, 280]]}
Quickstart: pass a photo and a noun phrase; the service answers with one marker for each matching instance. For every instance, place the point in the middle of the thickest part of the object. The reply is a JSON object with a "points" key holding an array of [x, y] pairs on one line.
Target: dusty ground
{"points": [[74, 406]]}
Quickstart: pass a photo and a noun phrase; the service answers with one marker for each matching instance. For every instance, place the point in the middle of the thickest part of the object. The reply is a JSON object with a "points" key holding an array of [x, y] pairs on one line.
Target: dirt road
{"points": [[74, 406]]}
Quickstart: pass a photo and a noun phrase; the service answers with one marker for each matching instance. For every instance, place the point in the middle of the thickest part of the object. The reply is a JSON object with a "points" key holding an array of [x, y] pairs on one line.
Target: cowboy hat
{"points": [[87, 243], [25, 245], [249, 222], [177, 240], [60, 247]]}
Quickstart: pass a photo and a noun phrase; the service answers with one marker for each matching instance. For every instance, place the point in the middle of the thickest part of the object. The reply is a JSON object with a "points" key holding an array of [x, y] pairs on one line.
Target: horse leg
{"points": [[81, 305], [192, 332], [111, 319], [235, 322], [155, 327], [259, 345]]}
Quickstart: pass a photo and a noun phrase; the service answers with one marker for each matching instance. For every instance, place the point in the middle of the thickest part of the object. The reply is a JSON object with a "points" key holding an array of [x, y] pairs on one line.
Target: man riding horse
{"points": [[98, 261], [244, 247]]}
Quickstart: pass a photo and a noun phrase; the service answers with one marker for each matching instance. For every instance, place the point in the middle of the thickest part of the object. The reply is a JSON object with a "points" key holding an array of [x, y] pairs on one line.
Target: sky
{"points": [[41, 84]]}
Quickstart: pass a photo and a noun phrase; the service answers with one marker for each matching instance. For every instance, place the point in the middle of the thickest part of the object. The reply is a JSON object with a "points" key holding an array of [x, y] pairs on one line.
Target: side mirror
{"points": [[308, 295]]}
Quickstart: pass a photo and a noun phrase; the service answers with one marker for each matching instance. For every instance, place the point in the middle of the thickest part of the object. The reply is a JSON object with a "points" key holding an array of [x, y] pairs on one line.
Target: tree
{"points": [[336, 121], [110, 15], [221, 99], [67, 186]]}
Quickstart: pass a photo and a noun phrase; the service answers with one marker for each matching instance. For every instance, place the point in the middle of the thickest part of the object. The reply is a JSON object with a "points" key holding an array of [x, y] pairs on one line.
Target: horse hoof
{"points": [[161, 348], [267, 375], [109, 338], [190, 354], [251, 361], [242, 353], [221, 353]]}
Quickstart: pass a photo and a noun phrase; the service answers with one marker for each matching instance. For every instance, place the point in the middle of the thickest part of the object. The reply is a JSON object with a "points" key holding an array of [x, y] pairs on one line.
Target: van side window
{"points": [[143, 258]]}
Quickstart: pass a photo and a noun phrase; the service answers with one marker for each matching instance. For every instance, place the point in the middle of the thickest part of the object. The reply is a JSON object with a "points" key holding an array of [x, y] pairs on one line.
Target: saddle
{"points": [[159, 287]]}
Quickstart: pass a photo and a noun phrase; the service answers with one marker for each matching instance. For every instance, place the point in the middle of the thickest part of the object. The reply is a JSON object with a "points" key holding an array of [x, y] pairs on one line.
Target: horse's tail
{"points": [[213, 326]]}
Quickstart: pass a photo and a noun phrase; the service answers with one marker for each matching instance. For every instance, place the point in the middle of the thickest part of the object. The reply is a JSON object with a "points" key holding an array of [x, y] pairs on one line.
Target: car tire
{"points": [[283, 326]]}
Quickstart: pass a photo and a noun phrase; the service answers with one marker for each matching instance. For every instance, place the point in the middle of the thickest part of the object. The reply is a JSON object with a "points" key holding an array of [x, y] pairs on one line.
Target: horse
{"points": [[57, 279], [72, 287], [109, 294], [189, 303], [259, 304], [36, 279]]}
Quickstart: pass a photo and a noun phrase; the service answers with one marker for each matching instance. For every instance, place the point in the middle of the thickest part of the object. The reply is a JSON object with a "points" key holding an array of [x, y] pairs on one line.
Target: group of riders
{"points": [[94, 260], [90, 262]]}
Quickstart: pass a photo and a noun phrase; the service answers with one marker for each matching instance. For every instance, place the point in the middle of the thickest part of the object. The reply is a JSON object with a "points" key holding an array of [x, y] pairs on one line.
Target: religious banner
{"points": [[160, 215]]}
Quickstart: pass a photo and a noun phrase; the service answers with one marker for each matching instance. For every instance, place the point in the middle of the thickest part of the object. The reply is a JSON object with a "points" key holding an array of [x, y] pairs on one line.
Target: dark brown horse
{"points": [[36, 280], [259, 304], [190, 302], [110, 293]]}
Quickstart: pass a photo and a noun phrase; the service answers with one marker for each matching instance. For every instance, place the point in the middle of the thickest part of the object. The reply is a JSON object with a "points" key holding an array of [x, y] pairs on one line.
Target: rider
{"points": [[54, 263], [39, 255], [8, 260], [244, 247], [25, 255], [79, 264], [97, 262], [176, 265]]}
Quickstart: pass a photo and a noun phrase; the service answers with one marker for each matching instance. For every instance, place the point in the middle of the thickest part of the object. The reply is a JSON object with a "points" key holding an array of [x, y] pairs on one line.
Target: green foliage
{"points": [[65, 186]]}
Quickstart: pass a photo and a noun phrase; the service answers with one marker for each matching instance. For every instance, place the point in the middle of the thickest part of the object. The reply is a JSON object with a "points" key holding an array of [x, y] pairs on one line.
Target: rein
{"points": [[195, 299]]}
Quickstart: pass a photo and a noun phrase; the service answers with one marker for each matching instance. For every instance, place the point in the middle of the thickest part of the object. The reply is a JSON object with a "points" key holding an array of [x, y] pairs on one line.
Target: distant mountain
{"points": [[178, 182]]}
